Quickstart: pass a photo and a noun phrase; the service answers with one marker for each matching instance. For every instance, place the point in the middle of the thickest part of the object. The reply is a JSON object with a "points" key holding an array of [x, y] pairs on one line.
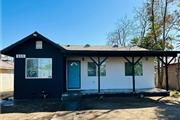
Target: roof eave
{"points": [[121, 53]]}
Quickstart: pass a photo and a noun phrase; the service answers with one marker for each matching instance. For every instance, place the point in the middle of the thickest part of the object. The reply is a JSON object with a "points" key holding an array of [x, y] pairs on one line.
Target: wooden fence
{"points": [[6, 82]]}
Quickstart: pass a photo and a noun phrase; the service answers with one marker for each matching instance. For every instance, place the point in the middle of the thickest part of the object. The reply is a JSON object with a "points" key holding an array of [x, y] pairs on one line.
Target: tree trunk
{"points": [[164, 24], [164, 41], [153, 21]]}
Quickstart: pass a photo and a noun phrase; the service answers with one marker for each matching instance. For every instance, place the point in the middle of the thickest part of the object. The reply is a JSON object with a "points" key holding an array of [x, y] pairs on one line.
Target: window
{"points": [[138, 69], [93, 70], [38, 44], [38, 68]]}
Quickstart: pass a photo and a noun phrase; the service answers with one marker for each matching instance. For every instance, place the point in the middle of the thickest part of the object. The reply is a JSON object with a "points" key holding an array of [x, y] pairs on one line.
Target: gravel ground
{"points": [[125, 108]]}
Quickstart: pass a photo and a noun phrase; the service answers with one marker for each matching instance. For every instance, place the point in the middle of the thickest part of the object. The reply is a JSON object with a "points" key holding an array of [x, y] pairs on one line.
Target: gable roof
{"points": [[33, 35], [84, 50]]}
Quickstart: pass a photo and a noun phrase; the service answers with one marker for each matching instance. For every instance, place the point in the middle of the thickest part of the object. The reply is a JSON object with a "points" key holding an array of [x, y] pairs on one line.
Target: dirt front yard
{"points": [[123, 108]]}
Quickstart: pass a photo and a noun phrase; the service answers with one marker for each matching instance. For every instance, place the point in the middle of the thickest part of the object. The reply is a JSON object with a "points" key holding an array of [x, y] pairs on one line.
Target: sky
{"points": [[63, 21]]}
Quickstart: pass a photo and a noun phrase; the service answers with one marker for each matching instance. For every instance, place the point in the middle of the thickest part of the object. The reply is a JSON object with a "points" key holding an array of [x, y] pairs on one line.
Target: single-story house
{"points": [[45, 67]]}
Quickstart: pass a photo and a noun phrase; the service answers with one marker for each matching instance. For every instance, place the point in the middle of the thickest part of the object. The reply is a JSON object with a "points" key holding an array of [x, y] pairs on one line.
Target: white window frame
{"points": [[26, 77]]}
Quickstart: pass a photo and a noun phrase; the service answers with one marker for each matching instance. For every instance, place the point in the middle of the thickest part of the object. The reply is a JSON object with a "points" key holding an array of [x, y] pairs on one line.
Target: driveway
{"points": [[125, 108]]}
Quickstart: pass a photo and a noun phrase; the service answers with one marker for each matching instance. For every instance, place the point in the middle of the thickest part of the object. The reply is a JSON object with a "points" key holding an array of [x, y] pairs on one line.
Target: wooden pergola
{"points": [[129, 57]]}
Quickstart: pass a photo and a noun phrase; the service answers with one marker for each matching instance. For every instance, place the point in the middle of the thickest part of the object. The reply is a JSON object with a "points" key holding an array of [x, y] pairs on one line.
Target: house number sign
{"points": [[20, 56]]}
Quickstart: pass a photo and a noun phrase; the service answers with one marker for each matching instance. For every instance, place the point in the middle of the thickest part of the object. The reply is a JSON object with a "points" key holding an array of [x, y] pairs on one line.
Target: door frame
{"points": [[67, 72]]}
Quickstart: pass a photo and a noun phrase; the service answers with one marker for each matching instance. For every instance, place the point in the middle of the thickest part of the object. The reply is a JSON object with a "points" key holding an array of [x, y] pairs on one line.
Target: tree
{"points": [[177, 26], [141, 22], [152, 19], [121, 34], [158, 25], [158, 22], [135, 41]]}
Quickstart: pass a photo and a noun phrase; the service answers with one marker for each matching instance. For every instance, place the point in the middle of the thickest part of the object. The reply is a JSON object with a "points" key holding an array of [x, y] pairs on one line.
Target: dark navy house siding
{"points": [[32, 88]]}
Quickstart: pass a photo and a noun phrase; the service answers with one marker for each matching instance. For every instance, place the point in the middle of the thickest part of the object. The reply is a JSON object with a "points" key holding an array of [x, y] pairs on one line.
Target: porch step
{"points": [[71, 96], [71, 100]]}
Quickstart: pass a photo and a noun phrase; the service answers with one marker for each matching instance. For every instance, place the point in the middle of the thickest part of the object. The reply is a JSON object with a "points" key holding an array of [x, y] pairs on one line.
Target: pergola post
{"points": [[166, 70], [166, 63], [98, 63], [133, 63], [133, 74]]}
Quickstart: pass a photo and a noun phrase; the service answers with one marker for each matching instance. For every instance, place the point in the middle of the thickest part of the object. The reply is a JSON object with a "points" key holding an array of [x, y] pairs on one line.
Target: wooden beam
{"points": [[98, 64], [103, 60], [171, 60], [133, 70], [161, 60], [93, 60], [166, 63], [166, 70], [127, 59], [138, 60]]}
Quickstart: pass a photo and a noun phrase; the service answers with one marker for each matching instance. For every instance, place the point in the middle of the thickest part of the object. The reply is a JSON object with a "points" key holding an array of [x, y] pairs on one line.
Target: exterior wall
{"points": [[32, 88], [6, 81], [115, 74]]}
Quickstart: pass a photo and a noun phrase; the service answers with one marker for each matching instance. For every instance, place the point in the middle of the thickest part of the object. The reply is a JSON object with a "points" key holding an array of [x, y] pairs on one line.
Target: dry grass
{"points": [[6, 94]]}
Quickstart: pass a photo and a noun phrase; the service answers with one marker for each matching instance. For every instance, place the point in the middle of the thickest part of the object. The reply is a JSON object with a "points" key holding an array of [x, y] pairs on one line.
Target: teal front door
{"points": [[73, 74]]}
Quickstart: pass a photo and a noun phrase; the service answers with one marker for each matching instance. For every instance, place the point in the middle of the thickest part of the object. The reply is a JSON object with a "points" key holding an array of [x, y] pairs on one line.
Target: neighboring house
{"points": [[6, 75], [44, 67]]}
